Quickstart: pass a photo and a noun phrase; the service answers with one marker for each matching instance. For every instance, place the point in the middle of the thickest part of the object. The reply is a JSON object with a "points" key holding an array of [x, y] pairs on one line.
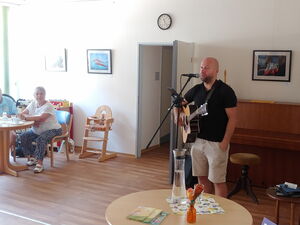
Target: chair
{"points": [[65, 119], [100, 122], [8, 96], [10, 106], [13, 102], [244, 159], [13, 147]]}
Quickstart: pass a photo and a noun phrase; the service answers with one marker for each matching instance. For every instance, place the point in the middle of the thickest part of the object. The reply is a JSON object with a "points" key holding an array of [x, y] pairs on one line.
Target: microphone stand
{"points": [[178, 104]]}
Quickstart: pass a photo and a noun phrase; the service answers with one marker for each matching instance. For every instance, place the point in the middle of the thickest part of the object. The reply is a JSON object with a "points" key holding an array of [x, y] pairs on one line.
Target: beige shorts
{"points": [[209, 160]]}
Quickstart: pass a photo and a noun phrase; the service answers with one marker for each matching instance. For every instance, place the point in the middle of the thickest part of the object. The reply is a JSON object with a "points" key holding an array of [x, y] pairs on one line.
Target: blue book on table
{"points": [[284, 190], [267, 222]]}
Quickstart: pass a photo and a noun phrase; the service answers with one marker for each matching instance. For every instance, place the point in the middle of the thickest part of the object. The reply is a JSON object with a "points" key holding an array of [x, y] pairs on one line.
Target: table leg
{"points": [[5, 165], [18, 168], [292, 213], [5, 150], [277, 211], [1, 152], [10, 171]]}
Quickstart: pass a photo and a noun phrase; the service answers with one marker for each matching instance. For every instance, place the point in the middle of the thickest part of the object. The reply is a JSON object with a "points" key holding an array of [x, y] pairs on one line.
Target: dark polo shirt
{"points": [[213, 125]]}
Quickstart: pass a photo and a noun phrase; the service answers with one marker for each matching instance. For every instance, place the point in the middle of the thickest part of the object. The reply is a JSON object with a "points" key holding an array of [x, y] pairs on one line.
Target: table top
{"points": [[9, 124], [119, 209], [271, 192]]}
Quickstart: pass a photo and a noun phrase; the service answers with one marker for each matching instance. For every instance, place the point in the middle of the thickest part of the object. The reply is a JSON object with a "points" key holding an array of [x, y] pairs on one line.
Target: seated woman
{"points": [[44, 129]]}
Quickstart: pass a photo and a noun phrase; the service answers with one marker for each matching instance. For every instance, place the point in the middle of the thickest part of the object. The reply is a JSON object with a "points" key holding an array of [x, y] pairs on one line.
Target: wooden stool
{"points": [[271, 192], [244, 159]]}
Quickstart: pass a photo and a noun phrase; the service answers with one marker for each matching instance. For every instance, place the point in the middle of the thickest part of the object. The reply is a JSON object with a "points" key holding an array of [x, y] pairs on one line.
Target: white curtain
{"points": [[1, 51], [4, 85]]}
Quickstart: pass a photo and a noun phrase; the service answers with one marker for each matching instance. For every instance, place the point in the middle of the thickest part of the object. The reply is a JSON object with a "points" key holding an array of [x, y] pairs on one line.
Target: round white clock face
{"points": [[164, 21]]}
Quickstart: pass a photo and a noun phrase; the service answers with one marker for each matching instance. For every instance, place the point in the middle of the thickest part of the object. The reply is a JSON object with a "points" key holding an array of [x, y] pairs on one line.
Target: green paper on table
{"points": [[146, 215], [159, 218], [153, 215]]}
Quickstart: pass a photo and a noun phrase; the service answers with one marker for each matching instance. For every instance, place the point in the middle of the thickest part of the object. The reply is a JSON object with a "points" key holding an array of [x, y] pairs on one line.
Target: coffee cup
{"points": [[15, 120]]}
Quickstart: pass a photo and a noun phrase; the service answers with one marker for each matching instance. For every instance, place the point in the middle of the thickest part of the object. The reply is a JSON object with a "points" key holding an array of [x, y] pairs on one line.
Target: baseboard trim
{"points": [[150, 149], [78, 150]]}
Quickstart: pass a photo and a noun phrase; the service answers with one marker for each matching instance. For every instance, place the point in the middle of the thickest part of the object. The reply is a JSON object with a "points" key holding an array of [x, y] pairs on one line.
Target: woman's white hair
{"points": [[41, 89]]}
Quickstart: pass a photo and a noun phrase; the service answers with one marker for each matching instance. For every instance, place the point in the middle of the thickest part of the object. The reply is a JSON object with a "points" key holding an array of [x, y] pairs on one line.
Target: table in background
{"points": [[271, 192], [5, 127], [119, 209]]}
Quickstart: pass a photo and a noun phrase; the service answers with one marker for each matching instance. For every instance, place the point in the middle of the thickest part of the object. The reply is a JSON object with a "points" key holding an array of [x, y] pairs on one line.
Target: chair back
{"points": [[103, 111], [10, 106], [64, 118], [8, 96], [267, 222]]}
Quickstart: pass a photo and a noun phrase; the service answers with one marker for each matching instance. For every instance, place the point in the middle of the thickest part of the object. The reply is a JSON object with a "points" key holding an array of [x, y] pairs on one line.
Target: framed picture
{"points": [[272, 65], [99, 61], [56, 60]]}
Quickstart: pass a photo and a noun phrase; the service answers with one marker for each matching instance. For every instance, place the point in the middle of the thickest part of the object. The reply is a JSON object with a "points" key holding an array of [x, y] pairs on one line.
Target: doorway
{"points": [[155, 76], [159, 68]]}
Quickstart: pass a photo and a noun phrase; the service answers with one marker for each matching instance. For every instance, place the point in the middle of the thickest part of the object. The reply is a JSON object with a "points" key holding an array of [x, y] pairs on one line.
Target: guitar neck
{"points": [[200, 110]]}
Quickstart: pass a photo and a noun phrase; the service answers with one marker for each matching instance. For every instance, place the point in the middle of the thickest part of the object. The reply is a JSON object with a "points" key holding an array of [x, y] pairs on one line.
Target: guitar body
{"points": [[190, 128]]}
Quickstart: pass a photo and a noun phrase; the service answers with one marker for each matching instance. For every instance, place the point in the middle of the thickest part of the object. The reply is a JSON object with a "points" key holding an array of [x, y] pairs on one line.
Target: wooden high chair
{"points": [[100, 122]]}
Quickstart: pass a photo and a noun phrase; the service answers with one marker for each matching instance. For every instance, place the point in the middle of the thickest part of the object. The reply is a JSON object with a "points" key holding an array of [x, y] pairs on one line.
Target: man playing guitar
{"points": [[210, 150]]}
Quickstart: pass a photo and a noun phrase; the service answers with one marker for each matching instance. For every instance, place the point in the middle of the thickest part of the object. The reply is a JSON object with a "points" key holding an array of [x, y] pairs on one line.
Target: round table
{"points": [[271, 192], [120, 208], [5, 127]]}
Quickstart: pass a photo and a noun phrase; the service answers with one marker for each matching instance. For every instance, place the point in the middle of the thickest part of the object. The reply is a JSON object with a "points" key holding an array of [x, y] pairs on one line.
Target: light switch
{"points": [[157, 76]]}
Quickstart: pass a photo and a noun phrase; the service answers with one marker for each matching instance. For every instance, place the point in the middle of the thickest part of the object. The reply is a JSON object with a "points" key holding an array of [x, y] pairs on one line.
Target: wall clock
{"points": [[164, 21]]}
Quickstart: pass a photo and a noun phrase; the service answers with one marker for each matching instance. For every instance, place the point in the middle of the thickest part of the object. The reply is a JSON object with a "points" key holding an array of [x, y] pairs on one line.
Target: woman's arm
{"points": [[40, 118], [25, 111]]}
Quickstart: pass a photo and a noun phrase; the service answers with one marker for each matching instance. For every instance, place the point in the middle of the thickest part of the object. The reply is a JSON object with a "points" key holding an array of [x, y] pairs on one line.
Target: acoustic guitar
{"points": [[190, 121]]}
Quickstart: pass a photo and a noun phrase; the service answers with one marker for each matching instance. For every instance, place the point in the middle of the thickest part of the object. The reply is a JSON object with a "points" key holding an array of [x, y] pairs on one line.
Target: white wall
{"points": [[229, 30]]}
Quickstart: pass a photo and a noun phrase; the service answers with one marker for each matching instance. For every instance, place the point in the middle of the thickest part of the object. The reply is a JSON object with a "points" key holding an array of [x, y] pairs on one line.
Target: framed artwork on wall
{"points": [[99, 61], [56, 60], [272, 65]]}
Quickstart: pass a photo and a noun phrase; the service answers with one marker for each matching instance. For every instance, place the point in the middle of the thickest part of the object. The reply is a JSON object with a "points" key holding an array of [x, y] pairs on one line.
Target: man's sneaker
{"points": [[38, 168], [31, 162]]}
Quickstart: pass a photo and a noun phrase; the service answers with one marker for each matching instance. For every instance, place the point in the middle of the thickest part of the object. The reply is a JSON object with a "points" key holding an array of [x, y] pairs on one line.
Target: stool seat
{"points": [[245, 159]]}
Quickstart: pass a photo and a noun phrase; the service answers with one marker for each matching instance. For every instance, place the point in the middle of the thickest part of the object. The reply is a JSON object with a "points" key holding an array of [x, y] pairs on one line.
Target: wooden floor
{"points": [[78, 192]]}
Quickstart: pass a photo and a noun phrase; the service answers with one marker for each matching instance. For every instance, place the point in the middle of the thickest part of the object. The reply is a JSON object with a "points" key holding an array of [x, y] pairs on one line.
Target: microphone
{"points": [[196, 75]]}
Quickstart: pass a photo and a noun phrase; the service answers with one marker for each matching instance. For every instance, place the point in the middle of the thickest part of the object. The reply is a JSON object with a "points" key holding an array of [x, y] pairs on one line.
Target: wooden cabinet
{"points": [[272, 131]]}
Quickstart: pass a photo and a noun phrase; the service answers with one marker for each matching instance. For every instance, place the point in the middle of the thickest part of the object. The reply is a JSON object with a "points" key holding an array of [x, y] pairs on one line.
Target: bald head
{"points": [[209, 69], [213, 62]]}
